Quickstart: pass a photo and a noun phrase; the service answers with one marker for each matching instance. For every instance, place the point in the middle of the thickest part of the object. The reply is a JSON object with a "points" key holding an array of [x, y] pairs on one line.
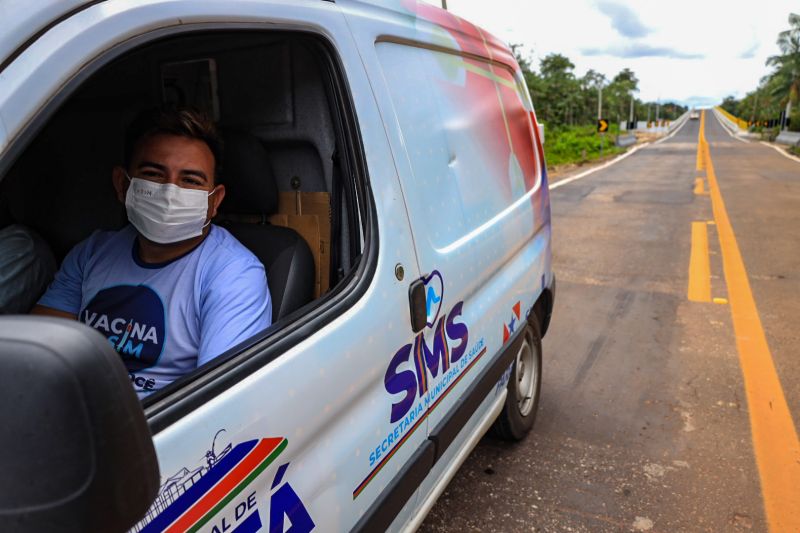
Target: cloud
{"points": [[750, 52], [623, 19], [700, 101], [635, 50]]}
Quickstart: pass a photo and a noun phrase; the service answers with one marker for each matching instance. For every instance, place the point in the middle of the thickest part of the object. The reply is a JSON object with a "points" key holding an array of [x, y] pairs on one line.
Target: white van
{"points": [[386, 170]]}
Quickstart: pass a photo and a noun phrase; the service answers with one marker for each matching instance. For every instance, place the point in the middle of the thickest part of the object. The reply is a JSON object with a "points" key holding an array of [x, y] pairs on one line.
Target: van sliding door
{"points": [[462, 134]]}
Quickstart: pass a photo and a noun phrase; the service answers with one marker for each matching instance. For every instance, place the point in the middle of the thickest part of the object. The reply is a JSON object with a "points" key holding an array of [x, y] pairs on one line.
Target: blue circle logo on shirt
{"points": [[132, 319]]}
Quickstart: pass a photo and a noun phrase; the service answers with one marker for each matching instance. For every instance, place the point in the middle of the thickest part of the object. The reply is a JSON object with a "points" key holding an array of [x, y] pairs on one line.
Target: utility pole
{"points": [[787, 113], [599, 101], [788, 110], [755, 107], [631, 118], [600, 113], [444, 5]]}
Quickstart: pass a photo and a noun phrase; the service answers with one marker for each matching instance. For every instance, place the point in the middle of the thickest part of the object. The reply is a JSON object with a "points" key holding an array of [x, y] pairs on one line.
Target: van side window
{"points": [[462, 119], [274, 97]]}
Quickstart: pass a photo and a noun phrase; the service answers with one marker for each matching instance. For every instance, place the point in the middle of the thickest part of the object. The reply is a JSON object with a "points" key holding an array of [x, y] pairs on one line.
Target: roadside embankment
{"points": [[572, 149], [577, 145], [786, 142]]}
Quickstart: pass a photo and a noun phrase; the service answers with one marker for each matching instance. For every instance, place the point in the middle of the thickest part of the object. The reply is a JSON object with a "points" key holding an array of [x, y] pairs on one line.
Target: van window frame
{"points": [[186, 394]]}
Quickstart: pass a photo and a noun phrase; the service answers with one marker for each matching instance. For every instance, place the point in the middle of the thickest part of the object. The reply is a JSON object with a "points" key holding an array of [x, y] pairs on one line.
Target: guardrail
{"points": [[738, 127], [653, 126], [625, 140], [735, 121], [724, 117], [673, 125], [790, 138]]}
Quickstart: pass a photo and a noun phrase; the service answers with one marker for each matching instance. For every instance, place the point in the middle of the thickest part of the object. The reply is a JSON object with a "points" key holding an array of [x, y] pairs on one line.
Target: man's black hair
{"points": [[182, 121]]}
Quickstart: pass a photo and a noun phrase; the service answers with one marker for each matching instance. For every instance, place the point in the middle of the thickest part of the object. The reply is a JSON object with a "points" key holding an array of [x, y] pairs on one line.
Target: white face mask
{"points": [[165, 213]]}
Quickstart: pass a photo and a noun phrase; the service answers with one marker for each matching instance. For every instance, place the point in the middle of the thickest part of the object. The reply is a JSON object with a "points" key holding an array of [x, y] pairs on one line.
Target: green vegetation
{"points": [[577, 144], [567, 105], [780, 89]]}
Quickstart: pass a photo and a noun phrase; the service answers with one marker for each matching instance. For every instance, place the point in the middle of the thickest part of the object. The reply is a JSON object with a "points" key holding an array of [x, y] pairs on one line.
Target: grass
{"points": [[577, 144], [794, 150]]}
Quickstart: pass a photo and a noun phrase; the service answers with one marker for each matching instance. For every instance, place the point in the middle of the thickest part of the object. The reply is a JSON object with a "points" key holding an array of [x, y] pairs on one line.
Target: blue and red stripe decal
{"points": [[221, 484]]}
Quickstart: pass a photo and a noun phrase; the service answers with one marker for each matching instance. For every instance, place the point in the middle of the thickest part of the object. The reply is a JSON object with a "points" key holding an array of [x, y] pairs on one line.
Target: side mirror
{"points": [[75, 450]]}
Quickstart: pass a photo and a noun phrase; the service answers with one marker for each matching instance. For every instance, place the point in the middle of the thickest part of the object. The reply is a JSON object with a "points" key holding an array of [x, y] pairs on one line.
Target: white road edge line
{"points": [[595, 169], [776, 148], [725, 127], [609, 163], [782, 152], [671, 135]]}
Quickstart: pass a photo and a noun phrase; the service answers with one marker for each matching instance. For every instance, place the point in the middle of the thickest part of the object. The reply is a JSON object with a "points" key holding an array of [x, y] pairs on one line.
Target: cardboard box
{"points": [[309, 214]]}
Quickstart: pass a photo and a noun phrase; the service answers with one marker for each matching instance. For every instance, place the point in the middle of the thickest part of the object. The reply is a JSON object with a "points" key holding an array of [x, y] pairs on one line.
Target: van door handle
{"points": [[418, 306]]}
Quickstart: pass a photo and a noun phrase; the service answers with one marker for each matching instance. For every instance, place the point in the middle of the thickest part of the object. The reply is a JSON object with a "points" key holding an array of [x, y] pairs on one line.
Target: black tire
{"points": [[517, 417]]}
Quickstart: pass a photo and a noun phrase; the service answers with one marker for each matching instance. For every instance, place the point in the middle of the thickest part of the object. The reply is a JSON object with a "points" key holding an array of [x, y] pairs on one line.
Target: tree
{"points": [[532, 80], [523, 61], [562, 99], [559, 89], [731, 105], [589, 85], [620, 91], [786, 76]]}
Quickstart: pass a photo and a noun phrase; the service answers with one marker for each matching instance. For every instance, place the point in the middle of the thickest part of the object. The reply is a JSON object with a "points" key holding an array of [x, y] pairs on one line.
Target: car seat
{"points": [[251, 195]]}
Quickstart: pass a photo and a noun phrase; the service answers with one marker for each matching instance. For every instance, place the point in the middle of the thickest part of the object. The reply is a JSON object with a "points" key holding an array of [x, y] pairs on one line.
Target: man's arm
{"points": [[49, 311], [63, 297], [237, 306]]}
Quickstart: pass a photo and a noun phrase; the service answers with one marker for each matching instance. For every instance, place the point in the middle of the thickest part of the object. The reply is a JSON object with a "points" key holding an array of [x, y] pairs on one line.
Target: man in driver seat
{"points": [[170, 291]]}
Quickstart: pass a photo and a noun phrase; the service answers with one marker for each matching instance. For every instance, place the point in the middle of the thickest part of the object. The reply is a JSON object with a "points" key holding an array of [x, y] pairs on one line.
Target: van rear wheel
{"points": [[522, 401]]}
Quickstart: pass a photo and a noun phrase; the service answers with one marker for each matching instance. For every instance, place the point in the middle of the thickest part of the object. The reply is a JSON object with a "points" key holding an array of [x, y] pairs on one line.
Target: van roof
{"points": [[23, 20], [471, 38]]}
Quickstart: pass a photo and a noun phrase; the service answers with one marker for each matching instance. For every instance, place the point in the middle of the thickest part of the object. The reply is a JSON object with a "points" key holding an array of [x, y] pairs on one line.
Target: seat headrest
{"points": [[250, 186]]}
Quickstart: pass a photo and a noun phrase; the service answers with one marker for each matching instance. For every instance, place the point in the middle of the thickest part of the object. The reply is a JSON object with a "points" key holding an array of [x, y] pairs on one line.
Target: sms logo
{"points": [[434, 349], [434, 294]]}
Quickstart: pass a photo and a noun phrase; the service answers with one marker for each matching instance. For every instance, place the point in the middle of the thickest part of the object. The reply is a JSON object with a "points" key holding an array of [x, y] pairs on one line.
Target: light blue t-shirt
{"points": [[164, 320]]}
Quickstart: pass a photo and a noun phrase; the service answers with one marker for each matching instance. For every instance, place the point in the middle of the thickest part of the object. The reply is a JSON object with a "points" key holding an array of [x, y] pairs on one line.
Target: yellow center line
{"points": [[700, 140], [699, 265], [699, 186], [775, 441]]}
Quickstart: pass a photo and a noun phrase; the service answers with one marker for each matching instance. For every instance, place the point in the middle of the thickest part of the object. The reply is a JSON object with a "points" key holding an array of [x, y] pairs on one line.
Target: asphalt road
{"points": [[644, 421]]}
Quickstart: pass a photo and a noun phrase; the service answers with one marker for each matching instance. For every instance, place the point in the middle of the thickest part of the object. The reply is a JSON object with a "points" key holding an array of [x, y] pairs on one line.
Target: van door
{"points": [[299, 430], [461, 128]]}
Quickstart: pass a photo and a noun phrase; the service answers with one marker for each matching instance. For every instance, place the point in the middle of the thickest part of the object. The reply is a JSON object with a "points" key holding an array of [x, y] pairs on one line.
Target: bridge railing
{"points": [[678, 122], [741, 124]]}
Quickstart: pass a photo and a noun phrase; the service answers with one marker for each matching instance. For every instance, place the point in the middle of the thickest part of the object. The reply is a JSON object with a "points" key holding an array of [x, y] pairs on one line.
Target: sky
{"points": [[694, 52]]}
